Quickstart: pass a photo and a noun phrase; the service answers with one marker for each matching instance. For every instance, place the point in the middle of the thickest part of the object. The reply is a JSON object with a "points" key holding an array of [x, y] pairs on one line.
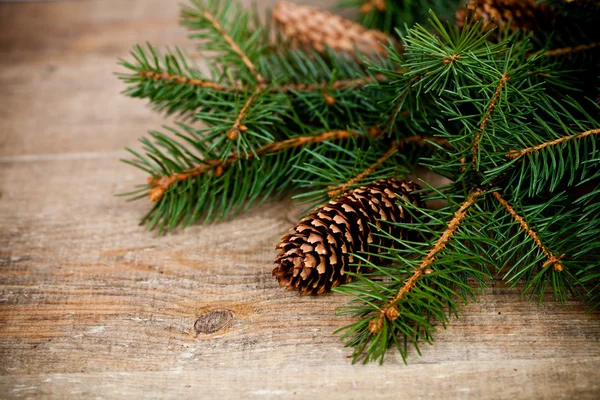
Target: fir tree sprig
{"points": [[214, 187], [489, 101], [424, 282], [501, 113]]}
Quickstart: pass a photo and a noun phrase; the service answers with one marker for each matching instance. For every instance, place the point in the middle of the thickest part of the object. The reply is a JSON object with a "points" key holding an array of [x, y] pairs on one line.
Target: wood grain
{"points": [[92, 305]]}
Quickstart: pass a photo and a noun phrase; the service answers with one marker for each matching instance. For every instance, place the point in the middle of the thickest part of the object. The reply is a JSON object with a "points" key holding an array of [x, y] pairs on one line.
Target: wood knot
{"points": [[213, 321]]}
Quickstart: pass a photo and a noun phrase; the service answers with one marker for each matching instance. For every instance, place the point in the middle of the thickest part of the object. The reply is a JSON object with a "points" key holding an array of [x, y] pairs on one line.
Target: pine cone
{"points": [[308, 27], [521, 14], [315, 255]]}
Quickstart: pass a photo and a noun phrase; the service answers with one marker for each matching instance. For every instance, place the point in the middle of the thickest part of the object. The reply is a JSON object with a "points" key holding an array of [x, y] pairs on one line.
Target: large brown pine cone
{"points": [[316, 254], [308, 27]]}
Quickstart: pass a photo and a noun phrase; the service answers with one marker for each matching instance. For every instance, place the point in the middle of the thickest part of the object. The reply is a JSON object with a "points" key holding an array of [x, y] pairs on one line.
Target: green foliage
{"points": [[510, 127]]}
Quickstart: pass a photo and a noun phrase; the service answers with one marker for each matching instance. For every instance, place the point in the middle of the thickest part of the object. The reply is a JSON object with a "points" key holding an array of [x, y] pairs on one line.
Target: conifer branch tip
{"points": [[503, 80], [162, 183], [552, 259], [390, 310], [519, 153]]}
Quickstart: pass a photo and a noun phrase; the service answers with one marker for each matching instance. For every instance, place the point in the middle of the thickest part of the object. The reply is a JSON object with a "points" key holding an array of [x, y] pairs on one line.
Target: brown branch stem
{"points": [[505, 78], [285, 88], [552, 259], [163, 76], [390, 310], [571, 50], [519, 153], [162, 183], [237, 126]]}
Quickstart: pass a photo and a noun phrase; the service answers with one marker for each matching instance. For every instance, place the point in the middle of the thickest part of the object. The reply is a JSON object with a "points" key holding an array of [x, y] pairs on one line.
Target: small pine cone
{"points": [[315, 255], [521, 14], [308, 27]]}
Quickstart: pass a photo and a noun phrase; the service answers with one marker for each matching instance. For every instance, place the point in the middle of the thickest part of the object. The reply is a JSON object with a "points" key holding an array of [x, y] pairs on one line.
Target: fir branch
{"points": [[339, 84], [453, 82], [173, 83], [226, 28], [503, 80], [295, 82], [519, 153], [558, 138], [234, 46], [162, 183], [552, 259], [390, 310], [237, 126]]}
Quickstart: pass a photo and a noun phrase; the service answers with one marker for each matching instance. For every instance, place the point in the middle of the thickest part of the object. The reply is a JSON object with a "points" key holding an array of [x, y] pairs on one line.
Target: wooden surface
{"points": [[93, 306]]}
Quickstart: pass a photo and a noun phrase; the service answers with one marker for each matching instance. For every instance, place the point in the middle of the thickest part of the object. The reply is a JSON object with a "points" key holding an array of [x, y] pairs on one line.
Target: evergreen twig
{"points": [[520, 153], [504, 78], [283, 88], [162, 183], [552, 259], [390, 310]]}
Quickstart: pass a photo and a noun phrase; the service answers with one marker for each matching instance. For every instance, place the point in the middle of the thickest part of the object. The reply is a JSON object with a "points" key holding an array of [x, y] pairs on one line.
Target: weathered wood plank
{"points": [[513, 379], [85, 290], [59, 91], [91, 305]]}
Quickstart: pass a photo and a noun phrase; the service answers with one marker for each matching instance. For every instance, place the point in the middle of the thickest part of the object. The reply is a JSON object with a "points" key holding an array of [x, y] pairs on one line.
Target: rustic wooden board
{"points": [[92, 305]]}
